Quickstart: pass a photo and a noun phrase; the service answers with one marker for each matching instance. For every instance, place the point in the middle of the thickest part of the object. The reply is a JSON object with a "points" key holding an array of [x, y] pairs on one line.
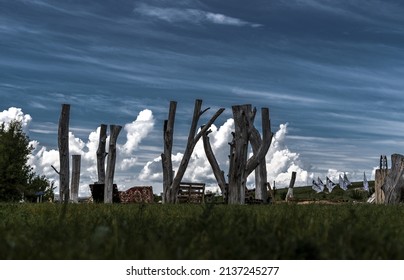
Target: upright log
{"points": [[256, 142], [108, 189], [76, 164], [63, 145], [240, 167], [237, 173], [101, 154], [289, 194], [166, 160], [393, 186]]}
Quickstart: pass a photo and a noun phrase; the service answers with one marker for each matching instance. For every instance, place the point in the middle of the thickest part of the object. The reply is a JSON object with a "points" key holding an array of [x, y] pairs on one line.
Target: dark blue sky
{"points": [[332, 70]]}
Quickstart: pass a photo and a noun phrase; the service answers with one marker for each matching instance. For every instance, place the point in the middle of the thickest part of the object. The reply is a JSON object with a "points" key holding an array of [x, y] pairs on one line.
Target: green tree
{"points": [[16, 176]]}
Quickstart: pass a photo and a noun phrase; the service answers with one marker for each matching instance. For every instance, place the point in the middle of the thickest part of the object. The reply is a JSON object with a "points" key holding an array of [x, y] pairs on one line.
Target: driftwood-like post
{"points": [[289, 194], [219, 174], [256, 142], [63, 145], [237, 172], [101, 154], [166, 159], [393, 186], [171, 191], [76, 164], [240, 167], [109, 179]]}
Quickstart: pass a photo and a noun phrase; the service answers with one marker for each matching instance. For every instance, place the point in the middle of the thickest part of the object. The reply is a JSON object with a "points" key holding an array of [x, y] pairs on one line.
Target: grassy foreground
{"points": [[284, 231]]}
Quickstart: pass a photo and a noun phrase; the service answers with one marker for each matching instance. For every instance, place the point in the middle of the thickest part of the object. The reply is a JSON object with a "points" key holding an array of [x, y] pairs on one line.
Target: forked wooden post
{"points": [[108, 189], [63, 145], [74, 188]]}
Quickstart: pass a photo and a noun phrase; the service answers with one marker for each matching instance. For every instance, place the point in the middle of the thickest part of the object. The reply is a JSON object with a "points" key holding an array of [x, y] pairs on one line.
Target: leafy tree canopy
{"points": [[16, 177]]}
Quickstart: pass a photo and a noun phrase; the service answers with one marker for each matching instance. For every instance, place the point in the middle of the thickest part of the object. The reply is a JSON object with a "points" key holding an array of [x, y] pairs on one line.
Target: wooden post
{"points": [[257, 144], [170, 192], [289, 194], [63, 145], [239, 167], [393, 186], [219, 174], [101, 154], [237, 174], [108, 188], [76, 164], [166, 160]]}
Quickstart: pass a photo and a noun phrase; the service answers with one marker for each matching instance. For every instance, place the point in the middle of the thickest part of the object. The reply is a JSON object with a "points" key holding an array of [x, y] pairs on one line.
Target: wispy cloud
{"points": [[276, 96], [191, 15]]}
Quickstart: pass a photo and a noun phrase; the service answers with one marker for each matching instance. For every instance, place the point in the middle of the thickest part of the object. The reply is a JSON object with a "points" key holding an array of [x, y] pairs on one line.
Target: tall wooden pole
{"points": [[108, 189], [63, 144], [166, 160], [76, 166], [101, 154]]}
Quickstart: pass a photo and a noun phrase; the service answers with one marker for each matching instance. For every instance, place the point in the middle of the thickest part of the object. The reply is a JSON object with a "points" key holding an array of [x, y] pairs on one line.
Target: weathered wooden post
{"points": [[76, 166], [166, 159], [261, 191], [380, 176], [237, 173], [393, 186], [108, 188], [289, 194], [171, 188], [240, 167], [63, 145], [101, 154]]}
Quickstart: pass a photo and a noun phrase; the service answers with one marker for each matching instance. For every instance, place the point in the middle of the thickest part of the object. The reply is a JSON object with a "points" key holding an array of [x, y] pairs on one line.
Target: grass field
{"points": [[280, 231]]}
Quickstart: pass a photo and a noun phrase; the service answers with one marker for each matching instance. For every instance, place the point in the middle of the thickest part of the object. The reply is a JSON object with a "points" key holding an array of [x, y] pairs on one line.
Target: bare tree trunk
{"points": [[168, 173], [63, 143], [393, 186], [108, 189], [76, 162], [101, 154]]}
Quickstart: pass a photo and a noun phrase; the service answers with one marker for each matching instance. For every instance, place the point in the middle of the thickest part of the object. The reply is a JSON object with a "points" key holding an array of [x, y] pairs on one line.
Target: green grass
{"points": [[284, 231]]}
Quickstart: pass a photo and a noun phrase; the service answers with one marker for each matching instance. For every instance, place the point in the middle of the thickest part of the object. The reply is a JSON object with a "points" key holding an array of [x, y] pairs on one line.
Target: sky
{"points": [[330, 72]]}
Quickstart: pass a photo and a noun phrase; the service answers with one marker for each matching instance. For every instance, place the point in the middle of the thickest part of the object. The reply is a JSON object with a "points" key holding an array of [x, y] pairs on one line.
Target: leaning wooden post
{"points": [[289, 194], [109, 179], [63, 144], [101, 154], [76, 163]]}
